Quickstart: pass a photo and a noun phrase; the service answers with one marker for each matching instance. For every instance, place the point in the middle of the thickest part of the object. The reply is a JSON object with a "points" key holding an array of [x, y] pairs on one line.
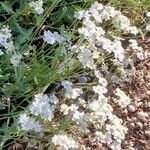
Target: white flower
{"points": [[96, 7], [28, 123], [5, 39], [85, 57], [52, 38], [41, 106], [122, 22], [53, 99], [100, 89], [81, 14], [148, 27], [58, 38], [65, 109], [15, 59], [118, 50], [10, 46], [37, 6], [6, 32], [108, 12], [1, 52], [104, 68], [48, 37], [123, 100], [64, 142], [148, 14], [133, 30], [101, 79], [115, 79], [100, 136], [71, 92], [78, 116]]}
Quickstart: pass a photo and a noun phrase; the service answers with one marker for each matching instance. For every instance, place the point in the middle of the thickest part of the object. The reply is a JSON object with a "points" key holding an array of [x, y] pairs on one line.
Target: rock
{"points": [[139, 104], [139, 124], [18, 146], [131, 108], [142, 115], [148, 93], [131, 148], [147, 133]]}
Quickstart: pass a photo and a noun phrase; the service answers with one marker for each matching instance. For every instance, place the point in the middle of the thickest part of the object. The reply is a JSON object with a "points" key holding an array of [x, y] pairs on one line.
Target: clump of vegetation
{"points": [[70, 74]]}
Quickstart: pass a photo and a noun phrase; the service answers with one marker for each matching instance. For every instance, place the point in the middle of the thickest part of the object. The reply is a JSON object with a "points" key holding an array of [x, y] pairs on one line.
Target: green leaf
{"points": [[7, 5], [1, 106]]}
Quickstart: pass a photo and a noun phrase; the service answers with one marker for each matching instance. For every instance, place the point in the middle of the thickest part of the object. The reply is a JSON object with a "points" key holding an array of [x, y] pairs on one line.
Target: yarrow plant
{"points": [[76, 83], [96, 111]]}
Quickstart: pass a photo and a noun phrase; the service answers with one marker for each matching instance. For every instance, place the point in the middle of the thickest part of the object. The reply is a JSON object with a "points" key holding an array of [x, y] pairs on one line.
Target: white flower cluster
{"points": [[115, 130], [64, 142], [109, 128], [123, 100], [148, 14], [28, 123], [71, 92], [140, 54], [95, 34], [148, 25], [52, 38], [7, 43], [43, 105], [123, 23], [37, 6], [99, 13], [6, 39]]}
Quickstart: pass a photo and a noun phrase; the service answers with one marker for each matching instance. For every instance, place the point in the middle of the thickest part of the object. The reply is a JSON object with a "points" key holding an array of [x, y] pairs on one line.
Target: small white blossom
{"points": [[37, 6], [41, 106], [101, 79], [133, 30], [121, 22], [5, 39], [140, 55], [123, 100], [71, 92], [65, 109], [115, 79], [28, 123], [85, 57], [148, 14], [81, 14], [52, 38], [15, 59], [53, 99], [1, 52], [100, 89], [148, 27], [64, 142], [48, 37]]}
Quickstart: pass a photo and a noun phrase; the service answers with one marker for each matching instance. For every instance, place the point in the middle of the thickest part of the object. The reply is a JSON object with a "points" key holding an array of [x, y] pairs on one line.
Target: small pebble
{"points": [[131, 108], [147, 92], [140, 125], [132, 124], [82, 79], [139, 104], [131, 148], [147, 133], [142, 115]]}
